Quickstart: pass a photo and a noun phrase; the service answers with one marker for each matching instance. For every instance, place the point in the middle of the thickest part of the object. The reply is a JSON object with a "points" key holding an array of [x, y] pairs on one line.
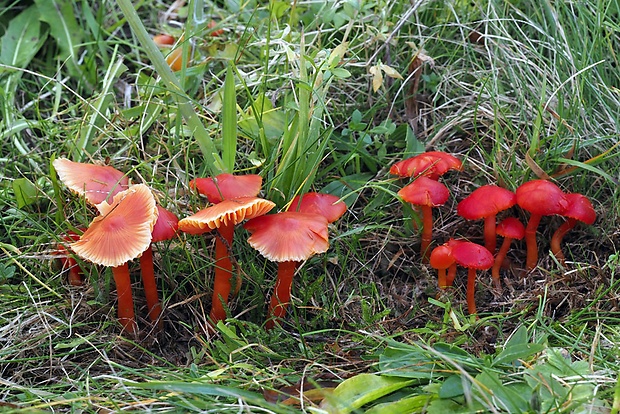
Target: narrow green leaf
{"points": [[414, 404], [512, 354], [64, 27], [229, 120], [22, 39]]}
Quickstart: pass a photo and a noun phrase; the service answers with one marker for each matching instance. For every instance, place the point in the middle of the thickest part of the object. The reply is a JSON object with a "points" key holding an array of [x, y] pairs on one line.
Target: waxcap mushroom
{"points": [[432, 164], [327, 205], [228, 211], [226, 186], [473, 257], [288, 236], [122, 231], [96, 183], [441, 259], [579, 208], [166, 226]]}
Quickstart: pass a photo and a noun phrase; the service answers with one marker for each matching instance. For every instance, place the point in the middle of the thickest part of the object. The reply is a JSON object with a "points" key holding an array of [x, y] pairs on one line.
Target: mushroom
{"points": [[119, 234], [223, 217], [97, 183], [426, 193], [473, 257], [327, 205], [540, 198], [431, 164], [579, 208], [484, 203], [226, 186], [68, 263], [287, 238], [441, 259], [510, 228], [165, 228]]}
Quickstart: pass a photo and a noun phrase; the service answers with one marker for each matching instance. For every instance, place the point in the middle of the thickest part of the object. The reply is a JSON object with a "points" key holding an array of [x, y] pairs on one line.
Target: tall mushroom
{"points": [[510, 229], [579, 209], [119, 234], [431, 164], [540, 198], [287, 238], [223, 217], [473, 257], [484, 203], [426, 194], [327, 205]]}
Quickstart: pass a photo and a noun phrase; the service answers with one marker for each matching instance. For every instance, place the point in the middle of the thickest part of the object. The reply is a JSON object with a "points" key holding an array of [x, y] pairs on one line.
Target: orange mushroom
{"points": [[441, 259], [579, 208], [327, 205], [68, 263], [510, 228], [473, 257], [223, 217], [119, 234], [431, 164], [287, 238]]}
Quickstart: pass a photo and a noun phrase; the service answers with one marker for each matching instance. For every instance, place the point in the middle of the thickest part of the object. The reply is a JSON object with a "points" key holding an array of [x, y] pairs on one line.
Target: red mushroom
{"points": [[223, 217], [473, 257], [441, 259], [427, 194], [579, 208], [540, 198], [287, 238], [431, 164], [327, 205], [97, 183], [484, 203], [226, 186], [509, 228], [121, 233], [165, 228], [68, 263]]}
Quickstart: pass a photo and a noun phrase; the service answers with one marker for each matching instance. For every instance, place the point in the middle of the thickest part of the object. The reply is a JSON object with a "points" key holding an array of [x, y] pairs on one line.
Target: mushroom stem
{"points": [[530, 241], [223, 273], [442, 279], [451, 275], [557, 237], [499, 259], [490, 239], [74, 272], [150, 288], [126, 315], [471, 288], [427, 232], [282, 293]]}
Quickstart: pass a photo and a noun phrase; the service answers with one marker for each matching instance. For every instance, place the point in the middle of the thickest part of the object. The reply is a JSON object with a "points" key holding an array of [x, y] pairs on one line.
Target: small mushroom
{"points": [[287, 238], [223, 217], [441, 259], [431, 164], [68, 263], [540, 198], [119, 234], [474, 257], [425, 193], [510, 228], [327, 205], [484, 203], [579, 209]]}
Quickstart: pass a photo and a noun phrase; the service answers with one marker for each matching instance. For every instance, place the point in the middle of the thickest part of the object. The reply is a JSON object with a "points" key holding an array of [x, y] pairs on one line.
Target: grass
{"points": [[517, 90]]}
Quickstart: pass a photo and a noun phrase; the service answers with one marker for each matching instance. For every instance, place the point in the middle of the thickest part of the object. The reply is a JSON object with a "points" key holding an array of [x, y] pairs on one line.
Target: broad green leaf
{"points": [[25, 192], [271, 120], [22, 40], [451, 387], [359, 390], [513, 399], [60, 16], [511, 354], [405, 405]]}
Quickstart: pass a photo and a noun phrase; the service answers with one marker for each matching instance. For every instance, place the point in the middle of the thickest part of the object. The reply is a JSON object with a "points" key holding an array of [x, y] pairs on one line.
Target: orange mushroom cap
{"points": [[123, 230], [288, 236], [225, 186], [96, 183], [432, 164], [541, 197], [327, 205], [441, 257], [426, 192], [166, 225], [485, 201], [229, 211], [472, 256], [579, 208], [511, 227]]}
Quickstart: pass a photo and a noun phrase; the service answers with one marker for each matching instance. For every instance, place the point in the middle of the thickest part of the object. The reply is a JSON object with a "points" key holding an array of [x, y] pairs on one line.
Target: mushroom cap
{"points": [[441, 257], [579, 208], [96, 183], [486, 201], [225, 186], [166, 225], [327, 205], [227, 212], [288, 236], [425, 192], [123, 230], [541, 197], [472, 256], [511, 227], [432, 164]]}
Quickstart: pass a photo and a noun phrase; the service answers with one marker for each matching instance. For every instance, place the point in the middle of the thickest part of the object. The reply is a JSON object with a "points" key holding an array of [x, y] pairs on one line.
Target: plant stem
{"points": [[126, 315], [150, 288], [223, 273], [282, 293]]}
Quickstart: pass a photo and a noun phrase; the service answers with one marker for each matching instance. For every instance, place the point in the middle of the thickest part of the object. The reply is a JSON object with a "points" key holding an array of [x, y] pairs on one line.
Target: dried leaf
{"points": [[540, 173], [390, 71], [377, 78]]}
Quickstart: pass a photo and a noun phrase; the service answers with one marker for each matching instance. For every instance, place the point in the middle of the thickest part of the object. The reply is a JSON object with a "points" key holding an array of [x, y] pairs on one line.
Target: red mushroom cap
{"points": [[166, 225], [96, 183], [426, 192], [441, 257], [327, 205], [432, 164], [227, 186], [485, 201], [472, 256], [511, 227], [541, 197], [123, 230], [288, 236], [229, 211], [579, 208]]}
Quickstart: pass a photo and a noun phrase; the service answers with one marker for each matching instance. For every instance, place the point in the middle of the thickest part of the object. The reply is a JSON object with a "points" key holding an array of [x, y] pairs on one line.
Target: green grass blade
{"points": [[229, 120]]}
